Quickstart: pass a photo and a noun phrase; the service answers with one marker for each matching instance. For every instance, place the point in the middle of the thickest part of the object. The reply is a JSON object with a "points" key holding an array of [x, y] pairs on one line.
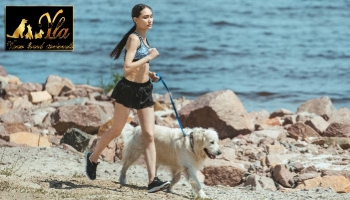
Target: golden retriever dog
{"points": [[18, 33], [182, 155]]}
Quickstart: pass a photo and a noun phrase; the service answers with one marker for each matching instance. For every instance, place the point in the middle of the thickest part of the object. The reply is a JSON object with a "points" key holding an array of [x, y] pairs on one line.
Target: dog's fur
{"points": [[173, 151], [18, 33]]}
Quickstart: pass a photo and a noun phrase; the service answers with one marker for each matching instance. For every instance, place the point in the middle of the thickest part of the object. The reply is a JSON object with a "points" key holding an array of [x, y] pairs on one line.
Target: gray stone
{"points": [[76, 138]]}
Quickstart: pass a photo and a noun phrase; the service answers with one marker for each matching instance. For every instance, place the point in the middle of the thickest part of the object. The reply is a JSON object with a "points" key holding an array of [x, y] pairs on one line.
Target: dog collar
{"points": [[191, 141]]}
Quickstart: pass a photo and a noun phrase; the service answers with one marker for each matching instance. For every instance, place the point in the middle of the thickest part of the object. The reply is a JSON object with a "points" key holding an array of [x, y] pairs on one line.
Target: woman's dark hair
{"points": [[136, 12]]}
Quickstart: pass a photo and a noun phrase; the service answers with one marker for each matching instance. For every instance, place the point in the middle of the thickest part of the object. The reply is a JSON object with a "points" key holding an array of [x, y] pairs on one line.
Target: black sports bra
{"points": [[142, 51]]}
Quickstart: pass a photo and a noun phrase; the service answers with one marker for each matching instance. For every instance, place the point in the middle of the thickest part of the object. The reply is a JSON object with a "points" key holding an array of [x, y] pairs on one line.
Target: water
{"points": [[273, 54]]}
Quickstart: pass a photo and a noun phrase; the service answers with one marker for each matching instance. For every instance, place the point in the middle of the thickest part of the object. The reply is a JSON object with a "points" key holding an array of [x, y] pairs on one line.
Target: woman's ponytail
{"points": [[118, 49]]}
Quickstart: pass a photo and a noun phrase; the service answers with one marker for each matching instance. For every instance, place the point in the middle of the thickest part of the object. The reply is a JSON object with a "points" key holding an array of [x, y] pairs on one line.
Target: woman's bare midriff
{"points": [[139, 75]]}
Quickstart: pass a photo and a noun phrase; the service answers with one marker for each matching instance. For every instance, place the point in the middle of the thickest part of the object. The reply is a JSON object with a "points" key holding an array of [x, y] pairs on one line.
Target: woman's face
{"points": [[145, 20]]}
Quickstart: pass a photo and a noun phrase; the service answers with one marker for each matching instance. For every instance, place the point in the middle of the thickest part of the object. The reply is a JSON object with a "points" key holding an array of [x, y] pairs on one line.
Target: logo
{"points": [[39, 28]]}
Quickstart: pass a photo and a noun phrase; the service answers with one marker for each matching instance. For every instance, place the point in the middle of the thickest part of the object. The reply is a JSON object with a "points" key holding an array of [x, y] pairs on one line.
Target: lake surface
{"points": [[273, 54]]}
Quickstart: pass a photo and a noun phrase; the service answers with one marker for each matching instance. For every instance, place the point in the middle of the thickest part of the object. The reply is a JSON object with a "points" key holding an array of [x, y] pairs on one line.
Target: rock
{"points": [[290, 119], [275, 133], [38, 116], [283, 176], [76, 138], [264, 142], [260, 183], [301, 131], [5, 106], [318, 124], [106, 106], [306, 176], [273, 160], [70, 102], [337, 130], [29, 139], [3, 133], [19, 115], [44, 141], [220, 172], [11, 128], [228, 154], [341, 116], [275, 149], [321, 106], [221, 110], [309, 169], [338, 183], [274, 121], [55, 85], [22, 102], [104, 127], [40, 97], [4, 143], [297, 166], [109, 153], [259, 118], [281, 113], [2, 71], [158, 106], [83, 90], [86, 118], [22, 89], [345, 173]]}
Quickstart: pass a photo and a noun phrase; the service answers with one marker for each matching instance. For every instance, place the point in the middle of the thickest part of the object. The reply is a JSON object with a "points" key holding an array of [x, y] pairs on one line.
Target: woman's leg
{"points": [[146, 117], [119, 119]]}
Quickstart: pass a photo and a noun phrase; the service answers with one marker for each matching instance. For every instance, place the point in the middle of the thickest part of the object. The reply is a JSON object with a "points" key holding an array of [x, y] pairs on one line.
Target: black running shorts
{"points": [[132, 94]]}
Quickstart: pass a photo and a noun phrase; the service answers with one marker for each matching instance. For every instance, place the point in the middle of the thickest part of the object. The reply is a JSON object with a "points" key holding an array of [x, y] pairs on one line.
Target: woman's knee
{"points": [[148, 137]]}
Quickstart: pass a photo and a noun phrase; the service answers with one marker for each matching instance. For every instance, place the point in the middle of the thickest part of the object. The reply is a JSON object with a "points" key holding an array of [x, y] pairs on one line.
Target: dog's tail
{"points": [[10, 36]]}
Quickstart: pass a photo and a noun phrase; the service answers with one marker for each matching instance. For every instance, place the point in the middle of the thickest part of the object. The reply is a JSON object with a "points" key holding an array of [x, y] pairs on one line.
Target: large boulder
{"points": [[338, 183], [86, 118], [341, 116], [19, 115], [30, 139], [321, 106], [221, 110], [221, 172], [13, 89], [55, 85], [337, 130], [301, 131]]}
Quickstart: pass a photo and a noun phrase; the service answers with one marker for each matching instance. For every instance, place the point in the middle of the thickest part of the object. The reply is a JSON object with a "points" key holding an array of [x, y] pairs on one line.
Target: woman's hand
{"points": [[153, 76], [153, 53]]}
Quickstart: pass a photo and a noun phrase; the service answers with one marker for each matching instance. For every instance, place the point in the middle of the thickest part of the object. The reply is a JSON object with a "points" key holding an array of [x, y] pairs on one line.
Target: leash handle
{"points": [[172, 102]]}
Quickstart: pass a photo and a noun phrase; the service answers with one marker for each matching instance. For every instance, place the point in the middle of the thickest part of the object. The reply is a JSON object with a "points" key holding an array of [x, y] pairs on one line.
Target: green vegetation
{"points": [[109, 85]]}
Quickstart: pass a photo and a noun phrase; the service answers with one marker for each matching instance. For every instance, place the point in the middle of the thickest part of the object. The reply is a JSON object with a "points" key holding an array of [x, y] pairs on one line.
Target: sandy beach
{"points": [[56, 173]]}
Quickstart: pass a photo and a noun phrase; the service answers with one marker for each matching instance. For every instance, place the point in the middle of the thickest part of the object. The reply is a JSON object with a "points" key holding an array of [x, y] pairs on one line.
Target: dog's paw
{"points": [[122, 181], [202, 195]]}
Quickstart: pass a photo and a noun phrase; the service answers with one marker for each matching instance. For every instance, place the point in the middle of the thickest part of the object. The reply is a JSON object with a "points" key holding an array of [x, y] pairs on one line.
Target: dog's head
{"points": [[23, 21], [207, 142]]}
